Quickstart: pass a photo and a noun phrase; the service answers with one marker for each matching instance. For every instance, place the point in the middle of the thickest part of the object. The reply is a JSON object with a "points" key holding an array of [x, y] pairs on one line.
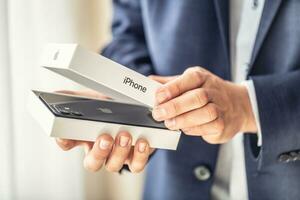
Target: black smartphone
{"points": [[100, 110]]}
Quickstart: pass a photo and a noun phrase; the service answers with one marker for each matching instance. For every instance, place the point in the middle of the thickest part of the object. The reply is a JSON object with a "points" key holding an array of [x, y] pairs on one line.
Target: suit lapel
{"points": [[270, 9], [222, 11]]}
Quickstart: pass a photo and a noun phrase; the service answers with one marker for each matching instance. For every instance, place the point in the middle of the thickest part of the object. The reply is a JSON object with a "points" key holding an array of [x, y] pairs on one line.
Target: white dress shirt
{"points": [[230, 181]]}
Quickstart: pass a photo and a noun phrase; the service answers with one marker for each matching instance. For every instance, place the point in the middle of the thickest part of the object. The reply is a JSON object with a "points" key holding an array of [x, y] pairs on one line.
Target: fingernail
{"points": [[170, 122], [159, 113], [124, 141], [142, 147], [161, 97], [104, 144]]}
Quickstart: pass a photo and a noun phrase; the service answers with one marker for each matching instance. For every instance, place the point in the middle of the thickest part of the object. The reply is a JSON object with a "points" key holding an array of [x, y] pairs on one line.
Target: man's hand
{"points": [[202, 104], [113, 153]]}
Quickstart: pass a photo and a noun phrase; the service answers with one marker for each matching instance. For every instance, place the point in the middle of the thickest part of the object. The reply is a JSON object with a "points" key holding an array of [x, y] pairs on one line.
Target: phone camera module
{"points": [[76, 113], [64, 112]]}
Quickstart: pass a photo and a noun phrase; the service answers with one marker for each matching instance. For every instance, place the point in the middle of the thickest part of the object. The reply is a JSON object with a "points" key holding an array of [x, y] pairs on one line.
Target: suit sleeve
{"points": [[278, 100], [128, 46]]}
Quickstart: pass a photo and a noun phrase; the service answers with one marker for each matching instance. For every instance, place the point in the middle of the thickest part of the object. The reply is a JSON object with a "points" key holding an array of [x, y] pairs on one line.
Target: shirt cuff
{"points": [[252, 95]]}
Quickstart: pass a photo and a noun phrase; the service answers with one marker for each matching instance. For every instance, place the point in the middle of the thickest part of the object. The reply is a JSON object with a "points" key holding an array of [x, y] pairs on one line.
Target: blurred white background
{"points": [[31, 165]]}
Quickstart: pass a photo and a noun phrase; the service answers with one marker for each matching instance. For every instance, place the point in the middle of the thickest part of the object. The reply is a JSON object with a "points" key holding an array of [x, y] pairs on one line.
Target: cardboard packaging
{"points": [[123, 85]]}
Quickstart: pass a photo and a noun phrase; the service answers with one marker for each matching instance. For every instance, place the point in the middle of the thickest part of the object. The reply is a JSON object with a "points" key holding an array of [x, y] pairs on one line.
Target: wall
{"points": [[32, 166]]}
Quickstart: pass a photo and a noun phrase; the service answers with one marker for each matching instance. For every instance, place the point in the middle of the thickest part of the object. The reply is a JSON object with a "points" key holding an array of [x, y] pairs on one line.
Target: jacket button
{"points": [[202, 173], [285, 158]]}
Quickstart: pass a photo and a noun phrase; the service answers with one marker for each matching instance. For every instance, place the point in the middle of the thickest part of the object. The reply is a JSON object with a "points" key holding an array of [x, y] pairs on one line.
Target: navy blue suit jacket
{"points": [[165, 37]]}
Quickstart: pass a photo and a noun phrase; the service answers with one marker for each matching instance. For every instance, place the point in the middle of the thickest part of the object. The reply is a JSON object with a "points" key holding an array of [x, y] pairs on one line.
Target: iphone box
{"points": [[81, 118]]}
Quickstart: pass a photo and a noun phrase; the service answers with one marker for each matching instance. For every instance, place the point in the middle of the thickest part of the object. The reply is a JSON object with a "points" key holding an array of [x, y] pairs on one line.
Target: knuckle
{"points": [[175, 89], [198, 68], [204, 96], [90, 165], [196, 73], [193, 69], [112, 168], [201, 97], [137, 167], [100, 155], [212, 111], [198, 76], [116, 159], [188, 70], [174, 107]]}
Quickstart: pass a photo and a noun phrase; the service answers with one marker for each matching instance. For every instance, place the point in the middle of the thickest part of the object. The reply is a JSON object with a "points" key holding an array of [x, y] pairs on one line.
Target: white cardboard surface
{"points": [[99, 73]]}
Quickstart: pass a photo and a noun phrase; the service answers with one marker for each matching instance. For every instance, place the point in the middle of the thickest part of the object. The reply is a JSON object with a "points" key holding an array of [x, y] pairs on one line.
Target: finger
{"points": [[119, 153], [188, 101], [193, 118], [71, 92], [140, 156], [162, 79], [130, 156], [87, 146], [192, 78], [215, 127], [96, 157], [66, 144]]}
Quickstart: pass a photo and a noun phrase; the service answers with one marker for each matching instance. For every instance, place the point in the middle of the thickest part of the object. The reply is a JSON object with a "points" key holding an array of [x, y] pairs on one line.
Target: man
{"points": [[231, 40]]}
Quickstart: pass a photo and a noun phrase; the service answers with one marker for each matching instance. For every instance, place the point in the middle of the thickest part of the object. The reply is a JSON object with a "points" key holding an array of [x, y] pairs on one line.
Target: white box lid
{"points": [[99, 73]]}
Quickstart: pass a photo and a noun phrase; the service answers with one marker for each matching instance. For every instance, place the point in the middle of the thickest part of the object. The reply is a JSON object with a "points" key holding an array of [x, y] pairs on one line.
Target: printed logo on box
{"points": [[128, 81]]}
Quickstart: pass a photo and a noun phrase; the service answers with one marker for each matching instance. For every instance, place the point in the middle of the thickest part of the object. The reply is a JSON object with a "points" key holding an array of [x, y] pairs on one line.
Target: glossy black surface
{"points": [[98, 110]]}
